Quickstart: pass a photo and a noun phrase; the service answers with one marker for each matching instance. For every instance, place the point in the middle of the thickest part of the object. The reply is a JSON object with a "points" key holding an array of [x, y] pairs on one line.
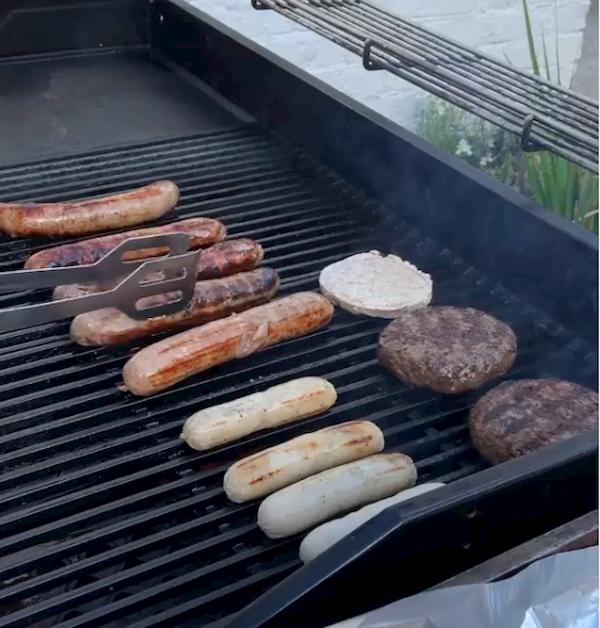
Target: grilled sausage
{"points": [[278, 405], [91, 215], [329, 533], [202, 232], [213, 298], [172, 360], [321, 496], [219, 260], [265, 472]]}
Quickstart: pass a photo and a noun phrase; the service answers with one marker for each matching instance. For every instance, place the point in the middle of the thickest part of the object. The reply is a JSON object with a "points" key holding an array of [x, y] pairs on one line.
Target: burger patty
{"points": [[516, 418], [448, 349]]}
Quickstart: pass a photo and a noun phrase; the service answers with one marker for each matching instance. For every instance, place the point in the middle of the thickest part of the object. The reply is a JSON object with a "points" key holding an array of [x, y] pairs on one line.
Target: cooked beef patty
{"points": [[448, 349], [516, 418]]}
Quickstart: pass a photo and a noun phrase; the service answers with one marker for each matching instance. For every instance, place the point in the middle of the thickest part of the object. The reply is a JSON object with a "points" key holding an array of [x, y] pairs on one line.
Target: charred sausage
{"points": [[172, 360], [220, 260], [76, 218], [202, 232], [213, 298]]}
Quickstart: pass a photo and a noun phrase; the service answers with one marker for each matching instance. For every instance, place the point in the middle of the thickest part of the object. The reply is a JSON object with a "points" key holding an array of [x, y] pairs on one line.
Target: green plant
{"points": [[559, 185], [555, 183], [563, 187], [478, 142]]}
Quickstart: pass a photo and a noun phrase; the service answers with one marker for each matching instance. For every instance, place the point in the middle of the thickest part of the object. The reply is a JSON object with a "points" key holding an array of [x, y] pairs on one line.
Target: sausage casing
{"points": [[172, 360], [219, 260], [75, 218], [330, 532], [213, 299], [202, 232], [268, 471], [275, 406], [315, 499]]}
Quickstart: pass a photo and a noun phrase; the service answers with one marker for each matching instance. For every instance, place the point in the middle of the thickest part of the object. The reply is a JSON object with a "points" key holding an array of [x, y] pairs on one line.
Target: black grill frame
{"points": [[489, 224], [306, 215]]}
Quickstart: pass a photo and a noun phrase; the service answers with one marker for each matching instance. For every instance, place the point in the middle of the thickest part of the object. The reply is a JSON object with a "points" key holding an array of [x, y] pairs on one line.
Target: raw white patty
{"points": [[376, 285]]}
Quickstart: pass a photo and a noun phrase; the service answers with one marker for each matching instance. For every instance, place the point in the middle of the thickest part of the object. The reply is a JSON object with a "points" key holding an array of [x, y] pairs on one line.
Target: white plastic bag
{"points": [[559, 591]]}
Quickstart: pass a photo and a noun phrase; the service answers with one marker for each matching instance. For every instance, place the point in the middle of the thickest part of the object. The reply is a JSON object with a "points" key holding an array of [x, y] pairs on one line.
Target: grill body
{"points": [[106, 518]]}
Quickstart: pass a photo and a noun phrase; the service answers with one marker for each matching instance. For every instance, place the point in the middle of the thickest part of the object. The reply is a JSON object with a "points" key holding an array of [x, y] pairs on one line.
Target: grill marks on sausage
{"points": [[173, 359], [359, 441], [263, 478], [202, 231], [219, 260], [227, 258], [116, 211], [213, 299], [178, 369], [272, 469]]}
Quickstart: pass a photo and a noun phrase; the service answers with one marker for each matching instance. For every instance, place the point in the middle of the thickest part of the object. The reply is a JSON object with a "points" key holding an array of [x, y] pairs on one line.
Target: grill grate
{"points": [[544, 115], [107, 519]]}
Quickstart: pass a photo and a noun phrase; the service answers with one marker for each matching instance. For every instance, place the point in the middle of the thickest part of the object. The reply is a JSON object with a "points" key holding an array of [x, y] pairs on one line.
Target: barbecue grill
{"points": [[107, 519]]}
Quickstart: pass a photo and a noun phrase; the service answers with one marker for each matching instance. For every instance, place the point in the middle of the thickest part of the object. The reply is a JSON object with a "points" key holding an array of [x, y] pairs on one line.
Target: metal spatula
{"points": [[136, 280]]}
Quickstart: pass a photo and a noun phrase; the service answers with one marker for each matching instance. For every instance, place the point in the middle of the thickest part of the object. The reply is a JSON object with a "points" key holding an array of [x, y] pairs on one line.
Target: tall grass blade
{"points": [[546, 62], [530, 40], [558, 79]]}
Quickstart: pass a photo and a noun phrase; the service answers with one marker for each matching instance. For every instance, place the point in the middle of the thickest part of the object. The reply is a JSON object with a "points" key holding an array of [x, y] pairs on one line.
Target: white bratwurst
{"points": [[325, 535], [269, 470], [296, 399], [322, 496]]}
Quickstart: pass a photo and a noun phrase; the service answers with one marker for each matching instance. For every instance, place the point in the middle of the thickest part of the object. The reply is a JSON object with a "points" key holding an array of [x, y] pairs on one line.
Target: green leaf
{"points": [[558, 80], [530, 40], [560, 175], [588, 193], [546, 62], [534, 179]]}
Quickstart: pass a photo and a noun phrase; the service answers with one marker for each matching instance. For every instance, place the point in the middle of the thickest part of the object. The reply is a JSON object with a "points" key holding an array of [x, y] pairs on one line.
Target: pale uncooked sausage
{"points": [[278, 405], [322, 496]]}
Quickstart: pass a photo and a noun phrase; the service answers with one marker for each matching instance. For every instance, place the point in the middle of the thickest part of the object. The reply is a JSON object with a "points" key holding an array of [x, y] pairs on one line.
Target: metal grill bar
{"points": [[106, 517], [544, 115]]}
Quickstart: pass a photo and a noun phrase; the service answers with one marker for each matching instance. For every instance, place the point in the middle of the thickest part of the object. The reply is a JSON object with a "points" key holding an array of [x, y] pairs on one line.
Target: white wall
{"points": [[494, 26], [497, 27]]}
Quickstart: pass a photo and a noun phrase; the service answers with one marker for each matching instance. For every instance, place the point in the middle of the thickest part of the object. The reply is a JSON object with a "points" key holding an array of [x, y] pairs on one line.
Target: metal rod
{"points": [[495, 63], [470, 66], [542, 114], [476, 104], [413, 64], [434, 68], [450, 47]]}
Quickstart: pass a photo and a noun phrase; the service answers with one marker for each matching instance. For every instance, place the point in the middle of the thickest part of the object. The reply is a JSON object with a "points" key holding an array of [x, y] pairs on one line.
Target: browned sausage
{"points": [[220, 260], [213, 298], [202, 232], [91, 215], [173, 359]]}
